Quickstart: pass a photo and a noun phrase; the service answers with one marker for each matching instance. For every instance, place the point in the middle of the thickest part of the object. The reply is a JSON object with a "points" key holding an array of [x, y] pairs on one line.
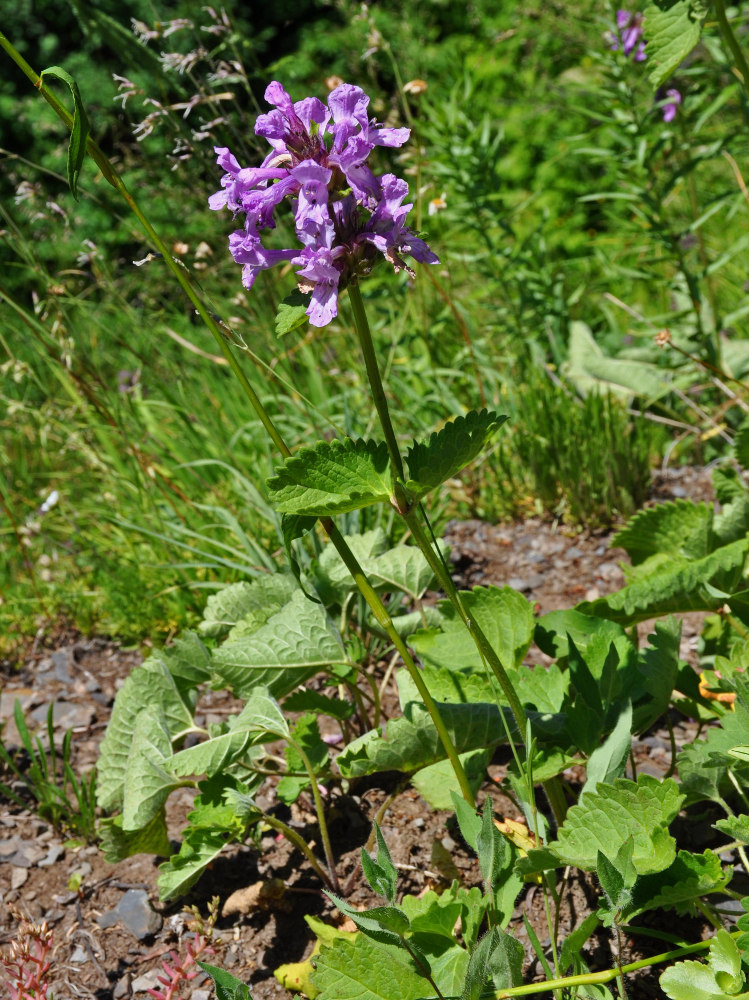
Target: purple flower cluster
{"points": [[344, 214], [629, 37]]}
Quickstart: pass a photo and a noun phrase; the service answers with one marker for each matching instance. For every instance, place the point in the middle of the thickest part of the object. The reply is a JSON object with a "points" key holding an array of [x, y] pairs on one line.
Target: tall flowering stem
{"points": [[391, 237]]}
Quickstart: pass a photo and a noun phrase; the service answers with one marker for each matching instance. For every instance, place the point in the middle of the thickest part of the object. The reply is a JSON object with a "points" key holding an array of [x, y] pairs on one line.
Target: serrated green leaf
{"points": [[228, 987], [735, 827], [385, 924], [116, 845], [505, 617], [690, 981], [361, 969], [292, 646], [333, 578], [148, 685], [449, 450], [686, 880], [702, 764], [148, 780], [333, 477], [603, 821], [402, 568], [292, 312], [305, 735], [725, 961], [675, 586], [672, 28], [612, 881], [680, 529], [492, 848], [80, 130], [182, 870], [230, 605], [188, 659]]}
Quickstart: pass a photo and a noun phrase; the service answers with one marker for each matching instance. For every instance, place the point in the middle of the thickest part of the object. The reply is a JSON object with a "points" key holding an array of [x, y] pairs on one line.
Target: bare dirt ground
{"points": [[111, 933]]}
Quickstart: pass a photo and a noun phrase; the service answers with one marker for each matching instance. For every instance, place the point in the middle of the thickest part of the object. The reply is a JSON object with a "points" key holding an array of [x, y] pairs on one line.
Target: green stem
{"points": [[484, 646], [375, 381], [182, 278], [382, 617], [607, 976], [294, 838], [320, 810], [730, 40]]}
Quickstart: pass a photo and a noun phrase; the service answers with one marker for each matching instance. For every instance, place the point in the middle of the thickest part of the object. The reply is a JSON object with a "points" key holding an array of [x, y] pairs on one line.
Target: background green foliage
{"points": [[562, 200]]}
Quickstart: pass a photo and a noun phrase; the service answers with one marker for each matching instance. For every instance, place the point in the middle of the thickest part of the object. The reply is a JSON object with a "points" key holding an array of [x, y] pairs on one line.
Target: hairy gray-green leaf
{"points": [[333, 477], [608, 761], [148, 685], [260, 719], [672, 28], [292, 646], [198, 850], [449, 450], [230, 605], [410, 744], [116, 844], [362, 969], [148, 780]]}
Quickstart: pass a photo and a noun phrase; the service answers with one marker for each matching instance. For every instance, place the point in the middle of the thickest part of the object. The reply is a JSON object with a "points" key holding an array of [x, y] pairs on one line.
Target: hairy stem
{"points": [[320, 810]]}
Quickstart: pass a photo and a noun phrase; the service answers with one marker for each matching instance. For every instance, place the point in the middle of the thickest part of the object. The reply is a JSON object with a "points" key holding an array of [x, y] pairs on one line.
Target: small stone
{"points": [[574, 552], [518, 583], [79, 956], [418, 822], [17, 877], [148, 981], [200, 995], [592, 594], [55, 851], [135, 913], [123, 988], [62, 660], [448, 843], [678, 491], [26, 856]]}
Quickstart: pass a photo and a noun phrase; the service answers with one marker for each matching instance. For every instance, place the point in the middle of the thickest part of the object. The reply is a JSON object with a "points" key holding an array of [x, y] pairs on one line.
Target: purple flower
{"points": [[345, 215], [672, 104], [629, 35]]}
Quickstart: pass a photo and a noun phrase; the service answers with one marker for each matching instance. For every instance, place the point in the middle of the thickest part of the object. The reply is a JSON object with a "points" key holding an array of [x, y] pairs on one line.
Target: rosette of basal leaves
{"points": [[333, 477]]}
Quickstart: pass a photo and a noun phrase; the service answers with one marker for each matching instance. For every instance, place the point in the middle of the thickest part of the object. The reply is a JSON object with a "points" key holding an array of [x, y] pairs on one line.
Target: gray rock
{"points": [[148, 981], [65, 715], [123, 988], [55, 851], [518, 583], [200, 995], [17, 877], [79, 956], [135, 913], [62, 660]]}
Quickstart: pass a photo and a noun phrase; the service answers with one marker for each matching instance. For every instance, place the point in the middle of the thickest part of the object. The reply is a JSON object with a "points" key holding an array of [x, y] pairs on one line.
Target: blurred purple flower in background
{"points": [[344, 214], [629, 37], [672, 105]]}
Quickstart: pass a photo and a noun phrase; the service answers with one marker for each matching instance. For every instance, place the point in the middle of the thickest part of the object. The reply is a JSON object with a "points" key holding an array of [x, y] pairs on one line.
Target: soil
{"points": [[47, 877]]}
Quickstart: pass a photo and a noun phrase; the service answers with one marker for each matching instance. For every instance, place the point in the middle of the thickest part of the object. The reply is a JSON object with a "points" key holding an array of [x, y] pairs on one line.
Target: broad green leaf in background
{"points": [[188, 659], [80, 130], [306, 736], [505, 617], [688, 879], [332, 477], [322, 704], [590, 370], [675, 586], [148, 685], [677, 528], [612, 813], [449, 450], [333, 578], [672, 28], [437, 782], [703, 764], [294, 644], [231, 604]]}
